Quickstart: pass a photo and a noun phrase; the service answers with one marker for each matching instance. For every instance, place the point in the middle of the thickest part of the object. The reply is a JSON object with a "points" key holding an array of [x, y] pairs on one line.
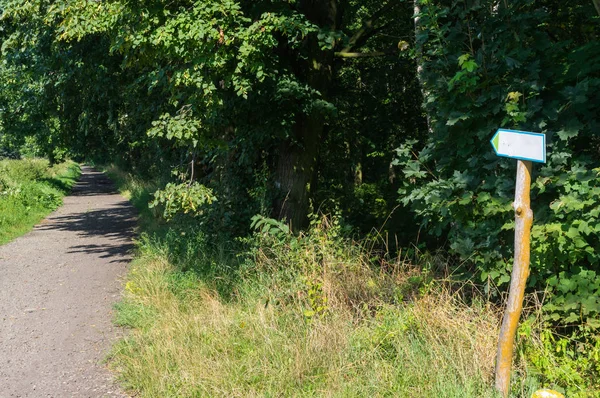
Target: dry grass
{"points": [[308, 315], [199, 345], [464, 335]]}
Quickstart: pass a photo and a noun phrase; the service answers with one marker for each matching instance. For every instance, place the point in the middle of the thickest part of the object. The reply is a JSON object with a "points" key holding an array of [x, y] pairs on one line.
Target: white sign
{"points": [[521, 145]]}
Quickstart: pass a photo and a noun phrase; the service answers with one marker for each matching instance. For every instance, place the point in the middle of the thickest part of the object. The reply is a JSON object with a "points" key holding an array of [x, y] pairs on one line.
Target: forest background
{"points": [[363, 121]]}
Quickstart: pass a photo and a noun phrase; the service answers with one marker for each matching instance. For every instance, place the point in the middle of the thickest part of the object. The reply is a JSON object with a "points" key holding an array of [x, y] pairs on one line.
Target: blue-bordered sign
{"points": [[521, 145]]}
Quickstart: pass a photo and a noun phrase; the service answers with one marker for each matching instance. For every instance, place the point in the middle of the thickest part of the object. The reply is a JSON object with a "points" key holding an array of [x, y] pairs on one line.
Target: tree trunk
{"points": [[295, 170], [420, 61], [418, 44]]}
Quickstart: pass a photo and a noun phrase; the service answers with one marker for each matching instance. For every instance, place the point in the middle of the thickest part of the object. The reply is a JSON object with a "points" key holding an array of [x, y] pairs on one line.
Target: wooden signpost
{"points": [[526, 147]]}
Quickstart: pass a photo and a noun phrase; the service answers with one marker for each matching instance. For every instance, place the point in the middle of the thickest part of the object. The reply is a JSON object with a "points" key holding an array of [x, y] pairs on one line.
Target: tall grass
{"points": [[29, 190], [189, 341], [277, 314]]}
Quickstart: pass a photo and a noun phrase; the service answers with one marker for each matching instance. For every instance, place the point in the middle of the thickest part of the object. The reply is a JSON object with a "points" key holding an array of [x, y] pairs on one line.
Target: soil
{"points": [[58, 285]]}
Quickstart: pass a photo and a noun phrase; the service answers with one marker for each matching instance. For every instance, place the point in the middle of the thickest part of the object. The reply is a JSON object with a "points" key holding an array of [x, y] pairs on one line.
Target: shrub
{"points": [[24, 170]]}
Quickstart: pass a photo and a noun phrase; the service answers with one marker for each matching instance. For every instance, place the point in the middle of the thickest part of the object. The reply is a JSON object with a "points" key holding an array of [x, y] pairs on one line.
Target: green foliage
{"points": [[185, 198], [29, 190], [466, 79], [181, 128], [525, 66], [229, 87], [570, 364], [27, 170], [192, 299], [577, 298], [270, 226]]}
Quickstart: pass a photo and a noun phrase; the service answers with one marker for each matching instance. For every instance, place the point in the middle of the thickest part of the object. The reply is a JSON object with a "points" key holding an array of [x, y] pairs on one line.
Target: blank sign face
{"points": [[520, 145]]}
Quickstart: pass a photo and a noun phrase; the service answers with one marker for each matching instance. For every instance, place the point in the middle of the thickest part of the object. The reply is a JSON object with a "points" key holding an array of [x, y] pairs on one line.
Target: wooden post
{"points": [[597, 5], [518, 279]]}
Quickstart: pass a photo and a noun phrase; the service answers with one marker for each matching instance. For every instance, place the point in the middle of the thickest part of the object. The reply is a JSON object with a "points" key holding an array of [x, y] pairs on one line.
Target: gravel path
{"points": [[57, 287]]}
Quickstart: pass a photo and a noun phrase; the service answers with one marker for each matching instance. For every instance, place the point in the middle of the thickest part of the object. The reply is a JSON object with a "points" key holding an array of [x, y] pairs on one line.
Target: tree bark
{"points": [[418, 45], [295, 168], [419, 60], [296, 171]]}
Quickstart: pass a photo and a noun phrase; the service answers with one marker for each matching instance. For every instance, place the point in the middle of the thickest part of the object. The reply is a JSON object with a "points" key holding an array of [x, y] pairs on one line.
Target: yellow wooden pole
{"points": [[518, 279]]}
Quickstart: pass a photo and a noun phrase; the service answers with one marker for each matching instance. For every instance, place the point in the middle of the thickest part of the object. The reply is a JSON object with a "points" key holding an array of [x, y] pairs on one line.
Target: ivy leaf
{"points": [[567, 134], [452, 121], [571, 130]]}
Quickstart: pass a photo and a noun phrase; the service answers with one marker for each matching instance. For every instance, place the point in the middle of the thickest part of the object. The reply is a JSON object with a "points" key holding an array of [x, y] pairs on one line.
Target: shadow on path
{"points": [[93, 183], [111, 223]]}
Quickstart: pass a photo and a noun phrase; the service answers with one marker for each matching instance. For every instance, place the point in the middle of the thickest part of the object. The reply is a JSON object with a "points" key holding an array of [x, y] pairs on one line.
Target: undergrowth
{"points": [[29, 190], [314, 314]]}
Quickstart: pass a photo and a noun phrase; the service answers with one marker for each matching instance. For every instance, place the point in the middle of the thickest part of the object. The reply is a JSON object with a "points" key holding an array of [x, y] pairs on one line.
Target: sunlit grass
{"points": [[29, 190], [197, 344], [283, 315]]}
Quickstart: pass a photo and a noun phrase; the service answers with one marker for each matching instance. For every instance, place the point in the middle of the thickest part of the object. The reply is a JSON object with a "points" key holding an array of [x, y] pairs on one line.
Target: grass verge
{"points": [[311, 315], [29, 190]]}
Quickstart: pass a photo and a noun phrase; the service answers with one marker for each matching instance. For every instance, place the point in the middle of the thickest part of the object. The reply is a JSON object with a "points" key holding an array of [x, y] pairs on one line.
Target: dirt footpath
{"points": [[57, 288]]}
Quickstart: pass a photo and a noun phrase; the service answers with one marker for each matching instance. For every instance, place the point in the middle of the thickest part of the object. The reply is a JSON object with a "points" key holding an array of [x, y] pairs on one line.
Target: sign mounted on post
{"points": [[520, 145], [526, 148]]}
